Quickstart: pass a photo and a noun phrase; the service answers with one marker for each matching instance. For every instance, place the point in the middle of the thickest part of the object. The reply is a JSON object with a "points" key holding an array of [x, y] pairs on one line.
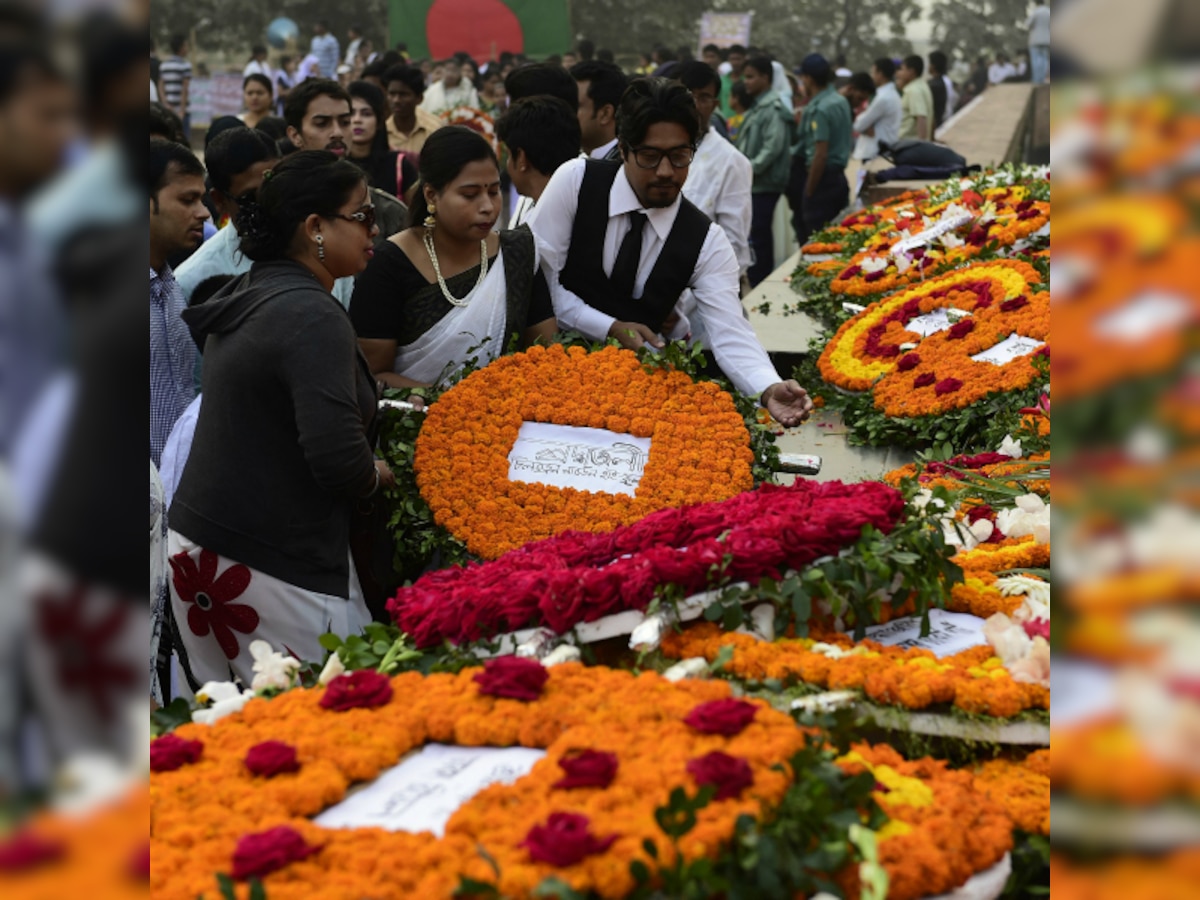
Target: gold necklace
{"points": [[437, 270]]}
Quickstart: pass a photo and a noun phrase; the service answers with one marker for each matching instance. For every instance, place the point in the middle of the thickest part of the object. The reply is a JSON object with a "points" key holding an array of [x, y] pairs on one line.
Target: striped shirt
{"points": [[175, 71], [172, 359]]}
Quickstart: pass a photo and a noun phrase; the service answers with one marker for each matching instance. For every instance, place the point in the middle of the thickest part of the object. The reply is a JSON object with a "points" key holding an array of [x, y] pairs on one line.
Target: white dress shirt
{"points": [[885, 114], [999, 72], [718, 183], [951, 97], [603, 150], [714, 282]]}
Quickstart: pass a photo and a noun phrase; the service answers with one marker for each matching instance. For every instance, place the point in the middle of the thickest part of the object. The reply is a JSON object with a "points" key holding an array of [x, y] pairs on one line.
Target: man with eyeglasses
{"points": [[619, 245]]}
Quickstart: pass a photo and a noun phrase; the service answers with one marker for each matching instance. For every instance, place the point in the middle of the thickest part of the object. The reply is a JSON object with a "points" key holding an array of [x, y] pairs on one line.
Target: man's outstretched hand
{"points": [[788, 403], [634, 335]]}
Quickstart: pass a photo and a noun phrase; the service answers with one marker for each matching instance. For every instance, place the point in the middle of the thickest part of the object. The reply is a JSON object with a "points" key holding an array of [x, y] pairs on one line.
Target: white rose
{"points": [[272, 669], [222, 708], [1010, 447], [333, 668], [563, 653]]}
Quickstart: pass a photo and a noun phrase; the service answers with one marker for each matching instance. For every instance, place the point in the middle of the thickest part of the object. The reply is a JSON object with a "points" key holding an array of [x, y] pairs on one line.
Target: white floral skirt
{"points": [[221, 605]]}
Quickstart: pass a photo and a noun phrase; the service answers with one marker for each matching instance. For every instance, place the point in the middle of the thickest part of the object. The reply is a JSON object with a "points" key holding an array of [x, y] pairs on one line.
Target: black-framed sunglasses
{"points": [[650, 157], [365, 217]]}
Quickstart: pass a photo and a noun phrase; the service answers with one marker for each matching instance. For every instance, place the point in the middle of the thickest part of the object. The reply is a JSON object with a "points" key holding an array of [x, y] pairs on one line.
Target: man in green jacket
{"points": [[817, 189], [765, 138]]}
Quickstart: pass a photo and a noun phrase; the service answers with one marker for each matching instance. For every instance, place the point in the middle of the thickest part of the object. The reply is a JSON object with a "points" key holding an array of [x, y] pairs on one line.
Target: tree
{"points": [[789, 29], [968, 29]]}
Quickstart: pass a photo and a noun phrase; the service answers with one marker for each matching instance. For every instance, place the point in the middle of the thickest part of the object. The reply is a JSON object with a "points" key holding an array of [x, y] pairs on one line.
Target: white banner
{"points": [[949, 633], [725, 29], [1007, 350], [587, 459], [423, 791]]}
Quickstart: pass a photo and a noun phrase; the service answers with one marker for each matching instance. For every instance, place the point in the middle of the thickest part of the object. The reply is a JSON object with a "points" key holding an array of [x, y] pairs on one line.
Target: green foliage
{"points": [[386, 649], [966, 29], [168, 718], [229, 890], [913, 559], [794, 853], [1030, 867]]}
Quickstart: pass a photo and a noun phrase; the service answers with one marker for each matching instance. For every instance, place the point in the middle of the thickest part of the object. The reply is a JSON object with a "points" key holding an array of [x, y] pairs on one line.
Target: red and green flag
{"points": [[482, 28]]}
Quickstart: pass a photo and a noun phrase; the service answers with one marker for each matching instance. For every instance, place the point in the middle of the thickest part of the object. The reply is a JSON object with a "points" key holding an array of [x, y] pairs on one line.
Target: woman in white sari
{"points": [[448, 288]]}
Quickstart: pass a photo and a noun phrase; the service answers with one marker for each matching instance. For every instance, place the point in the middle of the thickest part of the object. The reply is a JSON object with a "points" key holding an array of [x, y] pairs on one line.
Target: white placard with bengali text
{"points": [[1012, 347], [423, 791], [934, 231], [949, 633], [587, 459], [930, 323]]}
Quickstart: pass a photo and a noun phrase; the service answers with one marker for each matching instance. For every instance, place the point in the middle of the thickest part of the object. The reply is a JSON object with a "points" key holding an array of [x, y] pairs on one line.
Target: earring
{"points": [[430, 221], [321, 247]]}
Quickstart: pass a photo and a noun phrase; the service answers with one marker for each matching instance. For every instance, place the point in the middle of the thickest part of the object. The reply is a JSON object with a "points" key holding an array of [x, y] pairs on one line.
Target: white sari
{"points": [[475, 330]]}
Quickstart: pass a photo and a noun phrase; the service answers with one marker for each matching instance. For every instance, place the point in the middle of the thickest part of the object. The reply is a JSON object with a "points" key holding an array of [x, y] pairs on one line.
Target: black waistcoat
{"points": [[583, 273]]}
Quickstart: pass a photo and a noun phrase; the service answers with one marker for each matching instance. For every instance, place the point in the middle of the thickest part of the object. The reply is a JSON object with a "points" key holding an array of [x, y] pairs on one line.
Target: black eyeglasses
{"points": [[365, 217], [650, 157]]}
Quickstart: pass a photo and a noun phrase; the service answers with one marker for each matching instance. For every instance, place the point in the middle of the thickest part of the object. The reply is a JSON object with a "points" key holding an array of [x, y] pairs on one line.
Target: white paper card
{"points": [[1007, 350], [423, 791], [930, 323], [949, 633], [587, 459], [1146, 315], [1080, 691], [936, 230]]}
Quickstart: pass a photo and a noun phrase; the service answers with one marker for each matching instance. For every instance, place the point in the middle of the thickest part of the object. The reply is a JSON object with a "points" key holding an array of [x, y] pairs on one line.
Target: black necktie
{"points": [[624, 271]]}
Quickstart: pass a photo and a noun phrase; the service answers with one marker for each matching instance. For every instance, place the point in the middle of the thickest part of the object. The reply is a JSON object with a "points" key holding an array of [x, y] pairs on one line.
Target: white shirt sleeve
{"points": [[734, 343], [733, 209], [551, 222], [869, 116]]}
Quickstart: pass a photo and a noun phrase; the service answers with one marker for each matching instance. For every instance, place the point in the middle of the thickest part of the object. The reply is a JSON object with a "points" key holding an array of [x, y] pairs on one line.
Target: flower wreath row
{"points": [[1105, 760], [699, 452], [236, 797], [579, 577], [875, 269], [974, 681], [869, 350], [927, 799], [1022, 787]]}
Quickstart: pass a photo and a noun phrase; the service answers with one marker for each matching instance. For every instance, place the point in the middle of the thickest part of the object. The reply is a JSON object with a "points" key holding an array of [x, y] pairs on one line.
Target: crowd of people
{"points": [[343, 235]]}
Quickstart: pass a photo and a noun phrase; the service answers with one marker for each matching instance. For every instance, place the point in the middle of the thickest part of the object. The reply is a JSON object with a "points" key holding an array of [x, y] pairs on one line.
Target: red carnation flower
{"points": [[980, 511], [947, 386], [171, 752], [271, 758], [591, 768], [961, 329], [26, 850], [727, 717], [564, 840], [908, 361], [365, 689], [1014, 304], [513, 677], [139, 863], [924, 380], [730, 775], [268, 851], [1037, 628], [875, 276]]}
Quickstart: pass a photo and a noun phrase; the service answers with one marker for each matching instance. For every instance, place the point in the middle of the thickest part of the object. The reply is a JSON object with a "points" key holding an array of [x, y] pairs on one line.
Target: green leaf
{"points": [[169, 717], [330, 642], [651, 848]]}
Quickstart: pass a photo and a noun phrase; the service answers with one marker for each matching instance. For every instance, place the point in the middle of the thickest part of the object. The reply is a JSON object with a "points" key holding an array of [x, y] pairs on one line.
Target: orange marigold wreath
{"points": [[700, 448], [939, 375]]}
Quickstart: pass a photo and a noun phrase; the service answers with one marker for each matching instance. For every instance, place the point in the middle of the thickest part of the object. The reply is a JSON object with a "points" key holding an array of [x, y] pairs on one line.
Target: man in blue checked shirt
{"points": [[177, 217], [325, 48]]}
